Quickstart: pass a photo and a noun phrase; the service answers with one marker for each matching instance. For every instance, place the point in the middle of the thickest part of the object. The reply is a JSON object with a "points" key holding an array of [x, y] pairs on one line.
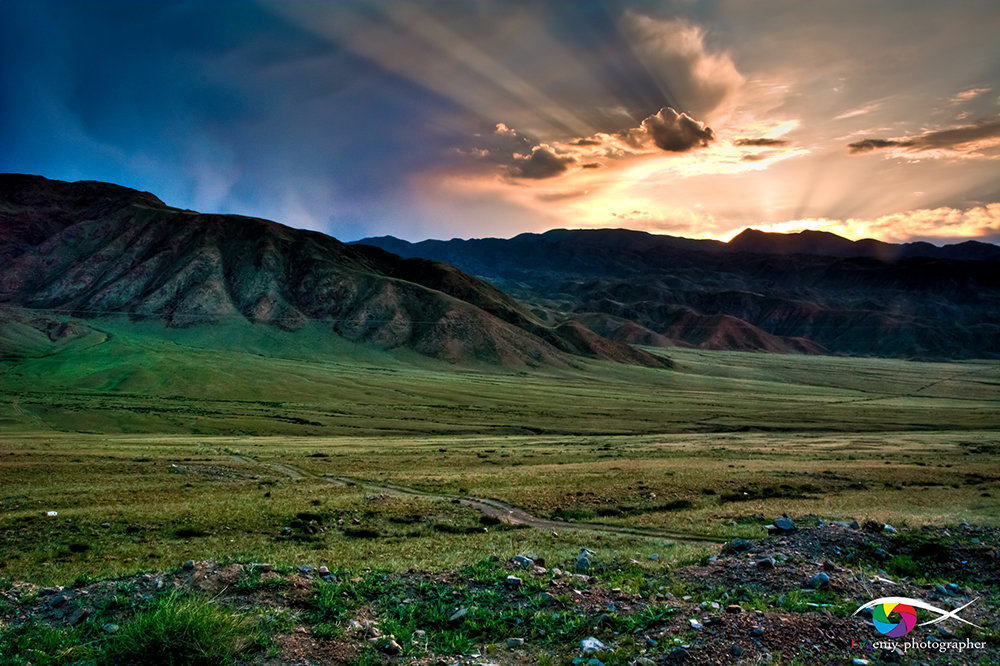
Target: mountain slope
{"points": [[95, 249], [808, 292]]}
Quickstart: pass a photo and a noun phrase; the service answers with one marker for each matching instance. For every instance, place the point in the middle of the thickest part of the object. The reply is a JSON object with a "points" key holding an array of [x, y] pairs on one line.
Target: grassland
{"points": [[206, 442], [247, 444]]}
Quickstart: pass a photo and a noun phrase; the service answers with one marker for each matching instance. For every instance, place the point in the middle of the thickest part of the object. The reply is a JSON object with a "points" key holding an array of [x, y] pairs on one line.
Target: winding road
{"points": [[490, 507]]}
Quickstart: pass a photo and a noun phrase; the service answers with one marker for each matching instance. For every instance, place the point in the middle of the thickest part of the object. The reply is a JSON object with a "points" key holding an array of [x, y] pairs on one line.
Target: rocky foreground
{"points": [[787, 598]]}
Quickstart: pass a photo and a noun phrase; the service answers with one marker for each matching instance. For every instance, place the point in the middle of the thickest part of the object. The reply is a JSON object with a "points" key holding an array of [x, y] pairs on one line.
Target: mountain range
{"points": [[810, 292], [91, 250]]}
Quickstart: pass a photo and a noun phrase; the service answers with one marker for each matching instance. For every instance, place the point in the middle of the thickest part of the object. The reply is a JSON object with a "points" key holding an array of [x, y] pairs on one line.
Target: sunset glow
{"points": [[491, 119]]}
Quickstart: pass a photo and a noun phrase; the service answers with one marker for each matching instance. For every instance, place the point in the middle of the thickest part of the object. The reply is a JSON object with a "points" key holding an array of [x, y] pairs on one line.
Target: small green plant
{"points": [[903, 565], [182, 629]]}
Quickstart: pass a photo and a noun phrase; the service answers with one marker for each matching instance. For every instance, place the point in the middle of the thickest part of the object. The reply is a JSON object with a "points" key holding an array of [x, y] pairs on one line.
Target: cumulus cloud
{"points": [[690, 76], [767, 143], [541, 163], [676, 132], [666, 130], [961, 139]]}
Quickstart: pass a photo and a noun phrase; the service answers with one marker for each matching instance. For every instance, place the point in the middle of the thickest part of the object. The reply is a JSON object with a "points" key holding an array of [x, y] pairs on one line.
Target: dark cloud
{"points": [[541, 163], [754, 157], [761, 142], [868, 145], [585, 142], [953, 138], [591, 165], [676, 132]]}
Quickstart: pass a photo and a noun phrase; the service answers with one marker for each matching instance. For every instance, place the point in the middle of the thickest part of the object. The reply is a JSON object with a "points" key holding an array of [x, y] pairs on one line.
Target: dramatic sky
{"points": [[475, 118]]}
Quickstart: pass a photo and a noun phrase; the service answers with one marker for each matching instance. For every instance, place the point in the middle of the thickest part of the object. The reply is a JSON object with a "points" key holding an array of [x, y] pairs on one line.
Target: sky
{"points": [[479, 118]]}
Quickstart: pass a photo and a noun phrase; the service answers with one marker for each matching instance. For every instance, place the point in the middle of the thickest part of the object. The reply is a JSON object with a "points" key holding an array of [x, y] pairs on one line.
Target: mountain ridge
{"points": [[810, 292], [91, 248]]}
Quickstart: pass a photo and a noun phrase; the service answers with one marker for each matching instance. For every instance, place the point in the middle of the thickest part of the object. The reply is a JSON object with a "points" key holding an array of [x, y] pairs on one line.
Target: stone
{"points": [[546, 599], [110, 628], [78, 616], [305, 568], [829, 566], [854, 525], [736, 651], [514, 643], [765, 563], [262, 566], [738, 545], [654, 557], [858, 661], [582, 562], [522, 561], [187, 566], [591, 644], [784, 524], [889, 528], [678, 654], [819, 582], [105, 525], [286, 531], [538, 571], [133, 529], [459, 615], [734, 608], [513, 581], [696, 625], [58, 601], [390, 647], [324, 570], [757, 631], [955, 589], [643, 661], [940, 589]]}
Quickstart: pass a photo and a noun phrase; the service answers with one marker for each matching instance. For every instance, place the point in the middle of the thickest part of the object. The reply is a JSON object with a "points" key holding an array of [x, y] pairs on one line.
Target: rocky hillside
{"points": [[94, 249], [810, 292]]}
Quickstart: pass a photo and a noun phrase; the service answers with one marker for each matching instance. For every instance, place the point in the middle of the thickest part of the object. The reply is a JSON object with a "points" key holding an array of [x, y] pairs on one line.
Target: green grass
{"points": [[171, 630]]}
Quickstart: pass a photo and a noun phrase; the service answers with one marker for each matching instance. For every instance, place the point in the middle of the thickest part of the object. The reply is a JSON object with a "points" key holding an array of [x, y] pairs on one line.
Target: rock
{"points": [[940, 589], [784, 525], [955, 589], [522, 561], [133, 529], [738, 545], [643, 661], [305, 568], [946, 633], [58, 601], [765, 563], [188, 566], [858, 661], [110, 628], [736, 651], [78, 616], [286, 531], [514, 643], [582, 562], [105, 525], [459, 615], [757, 631], [390, 647], [829, 566], [819, 582], [538, 571], [513, 581], [373, 632], [696, 625], [889, 528], [678, 654], [262, 566], [353, 626], [591, 644], [546, 599], [734, 608], [324, 571], [854, 525], [654, 557]]}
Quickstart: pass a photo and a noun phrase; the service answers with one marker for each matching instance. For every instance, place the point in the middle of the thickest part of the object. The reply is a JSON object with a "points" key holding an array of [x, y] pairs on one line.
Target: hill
{"points": [[94, 249], [811, 292]]}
